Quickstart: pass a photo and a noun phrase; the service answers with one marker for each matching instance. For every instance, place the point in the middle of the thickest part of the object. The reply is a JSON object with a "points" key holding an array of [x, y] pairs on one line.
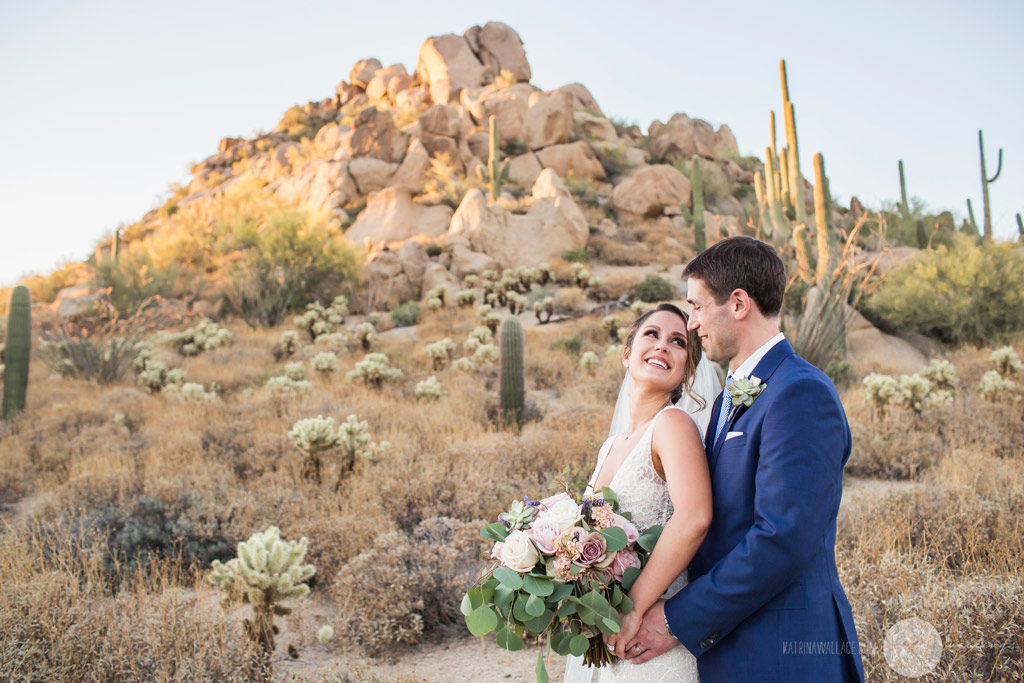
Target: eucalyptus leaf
{"points": [[561, 592], [482, 620], [503, 596], [649, 538], [534, 606], [567, 608], [626, 606], [542, 672], [508, 577], [616, 538], [560, 642], [539, 624], [609, 495], [508, 639], [578, 645], [629, 576], [495, 531], [617, 596], [610, 624], [519, 608], [539, 586]]}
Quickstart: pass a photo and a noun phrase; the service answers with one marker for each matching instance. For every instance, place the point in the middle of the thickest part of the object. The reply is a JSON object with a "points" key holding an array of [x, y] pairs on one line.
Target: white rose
{"points": [[518, 553], [564, 513]]}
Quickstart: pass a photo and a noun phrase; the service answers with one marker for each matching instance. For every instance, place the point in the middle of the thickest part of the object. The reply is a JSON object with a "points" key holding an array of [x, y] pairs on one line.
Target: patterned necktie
{"points": [[724, 410]]}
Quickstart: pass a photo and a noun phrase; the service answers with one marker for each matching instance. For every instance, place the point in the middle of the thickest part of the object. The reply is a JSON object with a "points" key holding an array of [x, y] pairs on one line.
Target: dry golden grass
{"points": [[100, 485]]}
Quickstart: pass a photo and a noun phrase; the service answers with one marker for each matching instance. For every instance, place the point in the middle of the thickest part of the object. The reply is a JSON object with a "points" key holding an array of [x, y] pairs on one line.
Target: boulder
{"points": [[371, 174], [391, 215], [548, 120], [377, 88], [524, 169], [500, 49], [441, 119], [868, 349], [683, 137], [725, 143], [345, 93], [576, 158], [78, 300], [330, 138], [581, 97], [281, 157], [435, 275], [412, 100], [551, 225], [508, 106], [363, 71], [464, 261], [414, 167], [595, 127], [648, 190], [728, 206], [479, 144], [447, 64], [376, 135], [414, 261], [321, 184], [635, 156], [384, 283], [399, 83]]}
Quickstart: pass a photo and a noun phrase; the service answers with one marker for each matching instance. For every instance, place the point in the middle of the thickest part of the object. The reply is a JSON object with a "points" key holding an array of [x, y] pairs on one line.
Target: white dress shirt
{"points": [[747, 366]]}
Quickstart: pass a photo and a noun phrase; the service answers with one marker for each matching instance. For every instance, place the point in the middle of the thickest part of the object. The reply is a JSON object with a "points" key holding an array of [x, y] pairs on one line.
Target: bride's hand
{"points": [[616, 642]]}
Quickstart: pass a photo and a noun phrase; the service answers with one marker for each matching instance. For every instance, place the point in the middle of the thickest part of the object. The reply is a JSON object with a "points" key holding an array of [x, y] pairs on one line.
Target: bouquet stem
{"points": [[598, 654]]}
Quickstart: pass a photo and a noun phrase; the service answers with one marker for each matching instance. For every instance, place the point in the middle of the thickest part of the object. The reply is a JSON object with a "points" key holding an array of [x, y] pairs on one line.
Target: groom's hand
{"points": [[652, 639]]}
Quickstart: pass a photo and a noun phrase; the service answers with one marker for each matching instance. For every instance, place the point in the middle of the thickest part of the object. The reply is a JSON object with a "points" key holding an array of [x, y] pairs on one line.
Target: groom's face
{"points": [[713, 322]]}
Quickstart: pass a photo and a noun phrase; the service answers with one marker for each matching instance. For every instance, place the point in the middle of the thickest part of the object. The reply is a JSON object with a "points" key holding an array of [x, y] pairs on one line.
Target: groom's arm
{"points": [[803, 443]]}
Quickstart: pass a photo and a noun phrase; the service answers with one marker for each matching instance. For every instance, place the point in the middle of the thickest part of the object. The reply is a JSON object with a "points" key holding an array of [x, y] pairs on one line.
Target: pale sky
{"points": [[106, 104]]}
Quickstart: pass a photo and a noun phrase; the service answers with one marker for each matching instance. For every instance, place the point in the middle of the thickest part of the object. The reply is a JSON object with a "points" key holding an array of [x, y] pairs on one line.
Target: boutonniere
{"points": [[743, 391]]}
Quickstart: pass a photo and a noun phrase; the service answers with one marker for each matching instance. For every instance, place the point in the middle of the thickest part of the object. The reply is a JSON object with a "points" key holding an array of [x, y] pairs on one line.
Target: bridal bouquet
{"points": [[563, 568]]}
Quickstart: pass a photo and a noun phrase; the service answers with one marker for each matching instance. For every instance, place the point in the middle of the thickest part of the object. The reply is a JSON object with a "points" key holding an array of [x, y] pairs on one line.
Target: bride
{"points": [[654, 461]]}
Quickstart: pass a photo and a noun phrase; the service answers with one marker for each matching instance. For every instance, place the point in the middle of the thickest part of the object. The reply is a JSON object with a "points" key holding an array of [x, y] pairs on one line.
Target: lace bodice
{"points": [[641, 490]]}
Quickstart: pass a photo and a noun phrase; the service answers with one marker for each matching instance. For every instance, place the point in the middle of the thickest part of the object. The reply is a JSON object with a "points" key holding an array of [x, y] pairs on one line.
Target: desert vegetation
{"points": [[271, 396]]}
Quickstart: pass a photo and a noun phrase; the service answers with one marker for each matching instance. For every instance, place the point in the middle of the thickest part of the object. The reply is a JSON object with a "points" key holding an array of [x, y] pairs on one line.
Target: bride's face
{"points": [[658, 353]]}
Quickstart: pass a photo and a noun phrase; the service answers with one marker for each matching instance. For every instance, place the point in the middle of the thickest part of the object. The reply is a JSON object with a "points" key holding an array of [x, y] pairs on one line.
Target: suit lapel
{"points": [[764, 369]]}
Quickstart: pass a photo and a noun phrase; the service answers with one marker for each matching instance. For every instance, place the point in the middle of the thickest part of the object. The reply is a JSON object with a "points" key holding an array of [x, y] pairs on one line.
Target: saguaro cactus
{"points": [[1020, 229], [510, 341], [17, 351], [904, 206], [497, 172], [697, 189], [796, 181], [985, 181], [821, 219]]}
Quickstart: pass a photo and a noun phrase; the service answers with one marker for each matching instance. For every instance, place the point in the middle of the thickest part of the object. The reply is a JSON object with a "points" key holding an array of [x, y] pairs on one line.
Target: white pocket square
{"points": [[733, 435]]}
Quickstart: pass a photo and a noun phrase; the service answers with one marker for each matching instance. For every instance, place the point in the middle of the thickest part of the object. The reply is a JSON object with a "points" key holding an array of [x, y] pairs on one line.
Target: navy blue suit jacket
{"points": [[764, 600]]}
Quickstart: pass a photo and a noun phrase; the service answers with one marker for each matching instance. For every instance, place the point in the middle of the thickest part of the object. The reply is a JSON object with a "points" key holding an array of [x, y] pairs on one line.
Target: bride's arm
{"points": [[676, 443]]}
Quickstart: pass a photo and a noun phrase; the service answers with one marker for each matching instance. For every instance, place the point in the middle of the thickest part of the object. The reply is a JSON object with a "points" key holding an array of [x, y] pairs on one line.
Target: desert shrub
{"points": [[45, 288], [380, 617], [969, 292], [204, 336], [612, 156], [407, 314], [82, 357], [302, 122], [134, 280], [446, 184], [576, 256], [654, 288], [892, 451], [572, 345], [434, 249]]}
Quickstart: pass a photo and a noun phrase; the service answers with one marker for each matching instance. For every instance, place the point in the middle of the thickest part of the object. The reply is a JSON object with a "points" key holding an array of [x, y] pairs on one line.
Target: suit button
{"points": [[703, 644]]}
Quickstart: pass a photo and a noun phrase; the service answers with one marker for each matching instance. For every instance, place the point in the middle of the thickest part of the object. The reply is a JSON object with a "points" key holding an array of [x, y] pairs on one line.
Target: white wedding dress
{"points": [[643, 493]]}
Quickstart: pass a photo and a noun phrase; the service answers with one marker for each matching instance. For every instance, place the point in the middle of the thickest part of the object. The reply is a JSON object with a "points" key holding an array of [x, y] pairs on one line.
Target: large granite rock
{"points": [[683, 137], [375, 134], [576, 158], [371, 174], [581, 97], [363, 71], [548, 120], [391, 216], [447, 64], [649, 190], [868, 349], [321, 184], [552, 224], [500, 49], [412, 172]]}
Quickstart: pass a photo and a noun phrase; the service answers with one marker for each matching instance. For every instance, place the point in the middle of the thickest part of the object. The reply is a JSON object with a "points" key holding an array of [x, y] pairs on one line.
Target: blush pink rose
{"points": [[545, 533], [624, 559], [593, 550], [496, 551], [549, 502], [632, 533]]}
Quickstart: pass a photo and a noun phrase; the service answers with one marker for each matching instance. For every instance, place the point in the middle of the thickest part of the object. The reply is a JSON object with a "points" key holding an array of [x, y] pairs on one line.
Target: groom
{"points": [[764, 600]]}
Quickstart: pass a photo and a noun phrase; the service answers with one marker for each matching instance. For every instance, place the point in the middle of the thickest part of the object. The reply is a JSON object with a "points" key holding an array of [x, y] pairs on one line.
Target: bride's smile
{"points": [[658, 353]]}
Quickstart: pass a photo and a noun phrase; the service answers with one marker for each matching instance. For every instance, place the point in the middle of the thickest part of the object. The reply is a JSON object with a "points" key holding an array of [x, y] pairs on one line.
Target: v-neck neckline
{"points": [[602, 461]]}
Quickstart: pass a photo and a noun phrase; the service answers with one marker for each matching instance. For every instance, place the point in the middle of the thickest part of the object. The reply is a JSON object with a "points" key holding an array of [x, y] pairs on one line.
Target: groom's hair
{"points": [[742, 263]]}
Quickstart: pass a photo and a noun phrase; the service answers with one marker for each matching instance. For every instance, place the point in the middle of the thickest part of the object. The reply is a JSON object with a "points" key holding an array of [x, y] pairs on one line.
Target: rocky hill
{"points": [[400, 160]]}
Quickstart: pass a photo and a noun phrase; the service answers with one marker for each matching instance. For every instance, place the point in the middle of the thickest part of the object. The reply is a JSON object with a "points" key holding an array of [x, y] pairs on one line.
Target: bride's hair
{"points": [[693, 351]]}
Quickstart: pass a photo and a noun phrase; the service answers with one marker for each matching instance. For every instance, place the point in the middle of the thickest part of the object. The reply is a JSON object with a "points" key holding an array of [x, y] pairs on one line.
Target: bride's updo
{"points": [[693, 349]]}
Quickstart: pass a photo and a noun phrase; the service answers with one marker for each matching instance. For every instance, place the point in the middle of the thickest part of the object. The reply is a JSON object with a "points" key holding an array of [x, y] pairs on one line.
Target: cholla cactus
{"points": [[374, 369], [313, 436], [1007, 361], [366, 333], [483, 310], [942, 374], [325, 362], [295, 371], [492, 320], [319, 320], [594, 282], [325, 633], [429, 388], [464, 365], [621, 334], [994, 387], [611, 324], [441, 352], [266, 572], [517, 303], [544, 309], [191, 392], [470, 281], [939, 397], [288, 345], [638, 307], [881, 390], [336, 340], [580, 275], [435, 304], [526, 276], [204, 336], [589, 361], [483, 335], [465, 298], [913, 392], [613, 351], [286, 386], [354, 441], [374, 318], [154, 375], [486, 354]]}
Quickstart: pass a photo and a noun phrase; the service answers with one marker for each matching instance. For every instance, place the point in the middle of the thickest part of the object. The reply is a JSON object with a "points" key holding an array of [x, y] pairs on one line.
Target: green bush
{"points": [[968, 293], [576, 255], [572, 345], [434, 249], [407, 314], [654, 288]]}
